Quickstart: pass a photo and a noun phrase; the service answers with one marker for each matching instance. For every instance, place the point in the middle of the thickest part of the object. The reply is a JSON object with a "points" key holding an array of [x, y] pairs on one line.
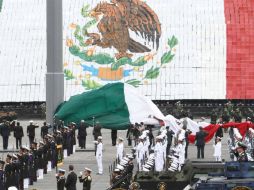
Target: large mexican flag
{"points": [[114, 106]]}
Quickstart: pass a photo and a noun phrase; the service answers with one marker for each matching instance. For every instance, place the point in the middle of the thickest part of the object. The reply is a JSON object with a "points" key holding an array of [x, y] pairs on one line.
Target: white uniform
{"points": [[158, 157], [139, 154], [99, 157], [146, 147], [180, 150], [119, 151], [217, 151]]}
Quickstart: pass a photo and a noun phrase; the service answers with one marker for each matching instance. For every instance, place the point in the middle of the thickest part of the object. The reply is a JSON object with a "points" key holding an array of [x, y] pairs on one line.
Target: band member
{"points": [[86, 179]]}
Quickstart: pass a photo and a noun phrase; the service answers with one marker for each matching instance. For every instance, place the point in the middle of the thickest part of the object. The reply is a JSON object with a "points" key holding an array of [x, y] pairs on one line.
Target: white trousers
{"points": [[99, 164]]}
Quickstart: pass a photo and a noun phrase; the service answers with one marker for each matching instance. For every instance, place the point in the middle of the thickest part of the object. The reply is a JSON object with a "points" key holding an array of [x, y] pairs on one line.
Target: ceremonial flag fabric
{"points": [[113, 106]]}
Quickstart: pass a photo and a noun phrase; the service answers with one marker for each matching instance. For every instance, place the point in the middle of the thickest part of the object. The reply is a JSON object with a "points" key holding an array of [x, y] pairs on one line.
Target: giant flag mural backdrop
{"points": [[167, 49]]}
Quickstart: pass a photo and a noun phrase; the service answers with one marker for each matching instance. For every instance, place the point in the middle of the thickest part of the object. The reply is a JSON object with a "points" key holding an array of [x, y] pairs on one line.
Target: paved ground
{"points": [[80, 160]]}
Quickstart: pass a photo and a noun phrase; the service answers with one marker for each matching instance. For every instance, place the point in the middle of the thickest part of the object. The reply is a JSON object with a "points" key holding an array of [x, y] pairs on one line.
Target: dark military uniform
{"points": [[1, 179], [113, 137], [2, 185], [5, 132], [18, 134], [82, 135], [8, 172], [31, 132], [96, 132], [60, 183], [34, 165], [44, 130], [87, 180]]}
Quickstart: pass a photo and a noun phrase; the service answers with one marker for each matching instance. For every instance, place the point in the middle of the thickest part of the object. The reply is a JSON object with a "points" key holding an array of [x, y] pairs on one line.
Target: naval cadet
{"points": [[99, 149], [119, 149], [8, 172], [60, 179], [86, 179]]}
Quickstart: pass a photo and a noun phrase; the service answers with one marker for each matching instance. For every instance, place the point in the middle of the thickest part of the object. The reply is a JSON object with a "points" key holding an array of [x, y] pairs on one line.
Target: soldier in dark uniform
{"points": [[46, 155], [5, 133], [213, 117], [16, 169], [40, 162], [8, 172], [82, 134], [113, 136], [170, 135], [18, 134], [71, 180], [59, 138], [44, 130], [238, 116], [35, 161], [240, 152], [24, 163], [60, 179], [52, 150], [31, 132], [96, 131], [116, 176], [69, 142], [86, 179], [2, 184], [73, 135]]}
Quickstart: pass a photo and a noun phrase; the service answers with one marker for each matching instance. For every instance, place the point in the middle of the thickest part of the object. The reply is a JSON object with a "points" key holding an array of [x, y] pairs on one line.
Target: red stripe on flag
{"points": [[211, 130], [240, 48]]}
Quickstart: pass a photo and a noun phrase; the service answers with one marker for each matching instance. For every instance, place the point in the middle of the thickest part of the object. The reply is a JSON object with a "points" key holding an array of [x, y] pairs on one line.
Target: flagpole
{"points": [[54, 75]]}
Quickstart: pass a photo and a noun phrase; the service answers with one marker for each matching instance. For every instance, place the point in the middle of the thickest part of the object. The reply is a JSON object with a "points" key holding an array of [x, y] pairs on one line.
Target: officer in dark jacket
{"points": [[35, 161], [113, 136], [44, 130], [96, 131], [31, 132], [86, 179], [2, 185], [200, 142], [170, 135], [5, 133], [82, 134], [71, 180], [18, 134], [60, 179], [8, 171]]}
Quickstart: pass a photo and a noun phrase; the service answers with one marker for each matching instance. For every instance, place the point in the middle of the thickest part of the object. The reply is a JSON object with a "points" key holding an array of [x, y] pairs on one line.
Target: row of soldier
{"points": [[6, 128], [30, 163]]}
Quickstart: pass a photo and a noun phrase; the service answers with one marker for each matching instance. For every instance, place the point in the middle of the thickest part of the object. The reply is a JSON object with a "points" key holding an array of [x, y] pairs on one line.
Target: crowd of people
{"points": [[23, 168]]}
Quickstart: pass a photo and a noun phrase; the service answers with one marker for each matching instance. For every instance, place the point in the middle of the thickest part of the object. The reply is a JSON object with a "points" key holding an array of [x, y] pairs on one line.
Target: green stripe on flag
{"points": [[107, 105]]}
